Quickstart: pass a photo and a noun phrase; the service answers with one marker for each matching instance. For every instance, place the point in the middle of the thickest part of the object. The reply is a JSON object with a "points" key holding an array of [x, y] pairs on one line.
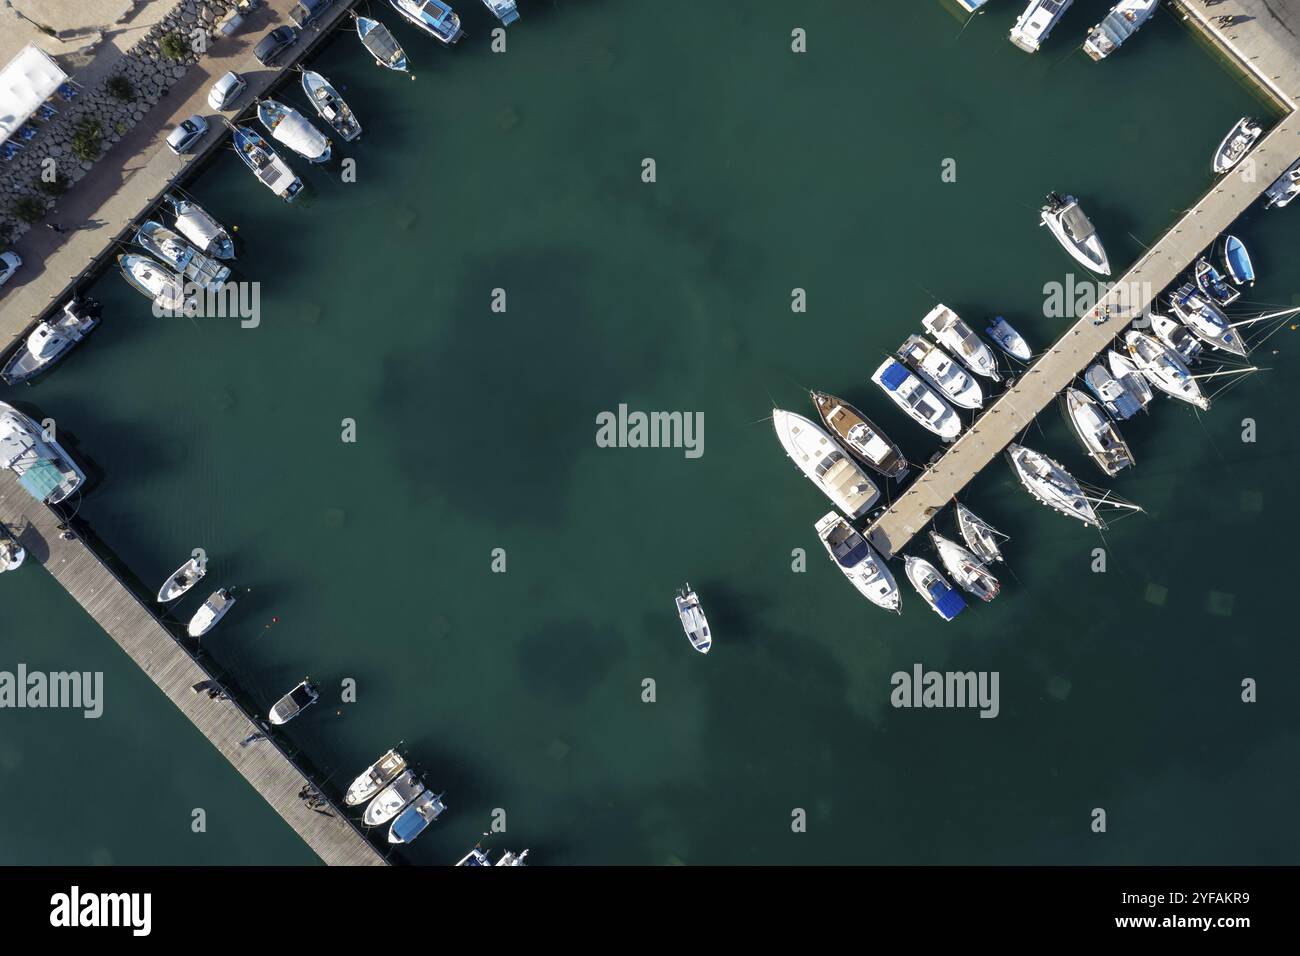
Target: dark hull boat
{"points": [[860, 436]]}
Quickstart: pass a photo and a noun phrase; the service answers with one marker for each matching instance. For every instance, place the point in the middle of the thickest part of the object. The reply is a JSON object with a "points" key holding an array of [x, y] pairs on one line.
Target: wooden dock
{"points": [[132, 624], [1070, 355]]}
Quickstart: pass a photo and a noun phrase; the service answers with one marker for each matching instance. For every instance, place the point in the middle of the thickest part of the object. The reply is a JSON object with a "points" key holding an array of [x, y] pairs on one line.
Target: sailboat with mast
{"points": [[1096, 432], [980, 536], [966, 569], [1163, 369], [1050, 484]]}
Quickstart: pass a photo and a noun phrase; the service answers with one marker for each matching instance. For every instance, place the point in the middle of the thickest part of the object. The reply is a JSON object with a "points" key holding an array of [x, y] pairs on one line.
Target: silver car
{"points": [[187, 135], [226, 90]]}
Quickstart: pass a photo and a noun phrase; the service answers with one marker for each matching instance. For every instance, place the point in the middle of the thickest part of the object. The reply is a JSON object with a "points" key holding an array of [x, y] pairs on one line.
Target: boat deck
{"points": [[132, 624]]}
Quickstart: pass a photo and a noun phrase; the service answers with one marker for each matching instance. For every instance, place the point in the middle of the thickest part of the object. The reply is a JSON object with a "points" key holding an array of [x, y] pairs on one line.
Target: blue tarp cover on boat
{"points": [[947, 600], [894, 376], [41, 479], [409, 824]]}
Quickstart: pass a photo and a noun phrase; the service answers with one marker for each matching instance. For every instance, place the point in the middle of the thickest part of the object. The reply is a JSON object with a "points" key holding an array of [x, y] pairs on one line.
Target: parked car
{"points": [[9, 263], [187, 135], [305, 11], [270, 47], [234, 18], [226, 90]]}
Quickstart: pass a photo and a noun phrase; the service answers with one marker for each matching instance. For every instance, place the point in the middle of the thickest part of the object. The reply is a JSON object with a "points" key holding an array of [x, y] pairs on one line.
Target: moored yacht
{"points": [[376, 38], [935, 366], [374, 778], [1130, 377], [1285, 188], [820, 459], [42, 467], [413, 821], [1048, 482], [980, 536], [1006, 338], [507, 12], [957, 337], [860, 436], [330, 106], [1163, 369], [694, 623], [1065, 219], [965, 568], [859, 562], [1118, 401], [272, 171], [1236, 144], [392, 799], [151, 279], [294, 703], [1096, 432], [1033, 26], [1236, 259], [433, 17], [917, 399], [286, 125], [49, 341], [1177, 336], [177, 254], [1213, 285], [181, 580], [194, 223], [1205, 320], [216, 607], [942, 597], [1123, 20]]}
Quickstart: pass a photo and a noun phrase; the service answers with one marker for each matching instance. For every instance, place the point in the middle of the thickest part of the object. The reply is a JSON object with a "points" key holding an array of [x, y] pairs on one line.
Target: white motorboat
{"points": [[42, 467], [507, 12], [859, 562], [1129, 376], [694, 623], [177, 254], [966, 569], [181, 580], [374, 778], [917, 399], [151, 279], [1008, 339], [194, 223], [1163, 369], [1236, 144], [942, 597], [826, 466], [510, 858], [286, 125], [49, 341], [294, 703], [412, 821], [980, 536], [937, 368], [1175, 335], [1118, 400], [1096, 432], [860, 436], [1065, 219], [1048, 482], [213, 610], [433, 17], [1206, 321], [12, 554], [1285, 188], [956, 336], [393, 799], [1033, 26], [1123, 20], [330, 106]]}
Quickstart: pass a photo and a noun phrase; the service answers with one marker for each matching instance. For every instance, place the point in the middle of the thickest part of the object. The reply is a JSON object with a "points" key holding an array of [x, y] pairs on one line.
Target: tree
{"points": [[173, 47], [120, 87], [29, 209], [87, 140]]}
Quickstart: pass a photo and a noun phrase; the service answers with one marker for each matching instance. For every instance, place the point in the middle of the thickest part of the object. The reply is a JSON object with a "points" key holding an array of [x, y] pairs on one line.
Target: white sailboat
{"points": [[1096, 432], [1050, 484], [955, 335], [966, 569], [937, 368], [815, 454], [858, 561], [1177, 336], [1128, 375], [1206, 321], [980, 536], [1164, 369]]}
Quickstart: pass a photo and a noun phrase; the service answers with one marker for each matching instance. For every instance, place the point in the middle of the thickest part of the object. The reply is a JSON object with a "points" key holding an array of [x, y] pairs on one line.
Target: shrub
{"points": [[54, 187], [173, 47], [87, 140], [29, 209], [6, 233], [120, 128], [120, 87]]}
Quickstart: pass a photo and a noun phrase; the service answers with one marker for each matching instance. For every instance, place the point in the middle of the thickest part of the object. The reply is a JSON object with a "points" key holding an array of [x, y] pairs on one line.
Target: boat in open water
{"points": [[858, 561], [1206, 321], [957, 337], [1236, 144], [330, 106], [1096, 432], [981, 537], [1117, 400], [50, 340], [271, 171], [294, 703], [943, 598], [504, 10], [177, 254], [1163, 369], [1130, 376], [390, 801], [694, 623], [374, 778], [1050, 484], [433, 17], [1236, 259], [860, 436], [936, 367], [817, 455], [181, 580], [216, 607], [1006, 338], [1177, 336], [1123, 20], [286, 125], [194, 223], [1033, 26], [154, 281], [417, 816], [965, 568], [1065, 219], [917, 399], [1213, 285]]}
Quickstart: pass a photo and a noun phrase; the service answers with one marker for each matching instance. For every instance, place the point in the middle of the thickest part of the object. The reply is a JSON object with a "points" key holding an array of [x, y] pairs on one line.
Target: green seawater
{"points": [[522, 691]]}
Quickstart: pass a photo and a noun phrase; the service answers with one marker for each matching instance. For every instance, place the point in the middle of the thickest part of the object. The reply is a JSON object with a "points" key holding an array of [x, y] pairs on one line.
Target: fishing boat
{"points": [[272, 171], [859, 562], [1096, 432], [956, 336], [966, 569], [177, 254], [935, 366], [1128, 375], [917, 399], [1065, 219], [42, 467], [942, 597], [294, 703], [1236, 144], [1008, 339], [1285, 188], [507, 12], [374, 778], [1205, 320], [194, 223], [433, 17], [860, 436], [1213, 285], [330, 106], [694, 623], [1163, 369], [1236, 259], [1116, 399], [412, 821], [286, 125], [1033, 26], [12, 554], [815, 454], [376, 38], [393, 799], [1177, 336], [1050, 484], [50, 340], [1123, 20], [213, 610], [980, 536], [165, 288], [181, 580]]}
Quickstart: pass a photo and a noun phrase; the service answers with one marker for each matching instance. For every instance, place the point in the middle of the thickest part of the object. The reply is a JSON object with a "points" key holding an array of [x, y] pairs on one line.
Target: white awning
{"points": [[26, 82]]}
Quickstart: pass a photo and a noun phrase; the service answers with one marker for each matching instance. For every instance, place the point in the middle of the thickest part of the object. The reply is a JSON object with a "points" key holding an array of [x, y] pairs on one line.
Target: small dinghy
{"points": [[858, 561], [1116, 399], [12, 554], [286, 125], [376, 38], [1163, 369], [966, 569], [939, 369], [1237, 261], [330, 106], [271, 171], [213, 610], [1211, 282], [1008, 339], [413, 821], [50, 341], [1097, 433], [1176, 336], [182, 579], [1074, 231], [1206, 321], [917, 399], [1236, 144], [194, 223], [860, 436], [980, 536], [433, 17], [377, 776], [392, 799], [294, 703], [955, 335], [942, 597], [152, 280], [1050, 484], [694, 623], [173, 251], [1129, 376]]}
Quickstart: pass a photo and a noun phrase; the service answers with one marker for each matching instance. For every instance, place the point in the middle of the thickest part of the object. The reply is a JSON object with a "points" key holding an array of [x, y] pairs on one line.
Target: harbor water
{"points": [[522, 693]]}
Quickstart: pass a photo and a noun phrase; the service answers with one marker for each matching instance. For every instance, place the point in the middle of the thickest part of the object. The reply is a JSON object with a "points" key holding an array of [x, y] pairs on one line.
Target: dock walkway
{"points": [[129, 622]]}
